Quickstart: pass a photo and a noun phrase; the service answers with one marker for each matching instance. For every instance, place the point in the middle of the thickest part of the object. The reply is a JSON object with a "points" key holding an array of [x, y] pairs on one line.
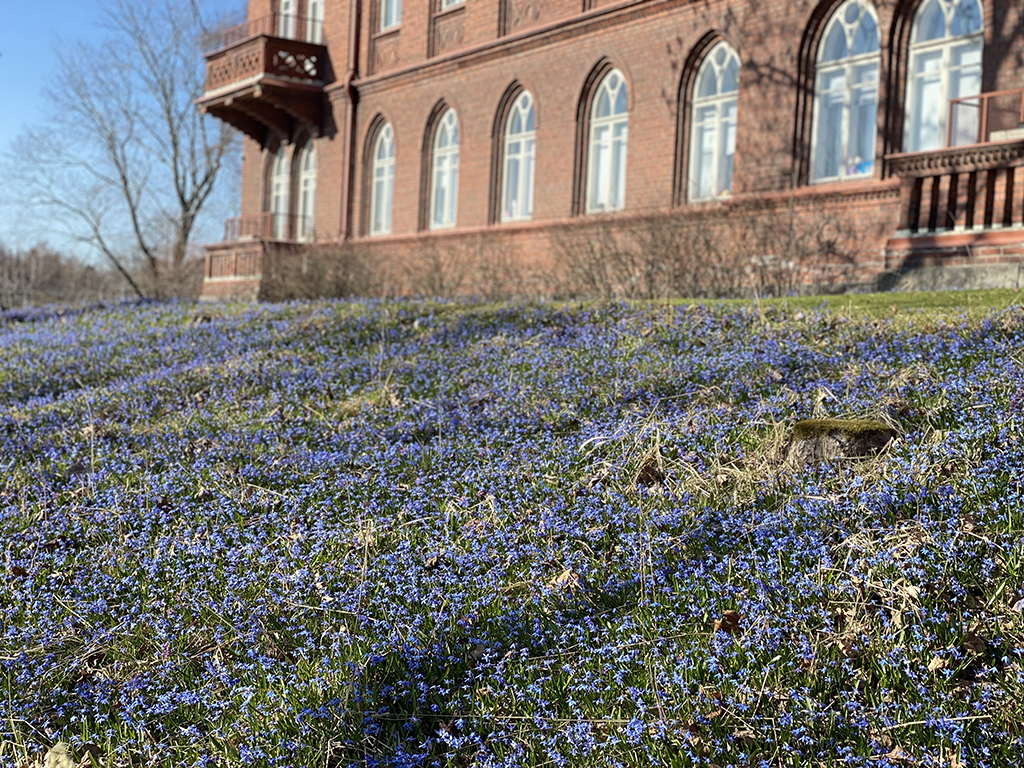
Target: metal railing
{"points": [[289, 26], [986, 118], [285, 227]]}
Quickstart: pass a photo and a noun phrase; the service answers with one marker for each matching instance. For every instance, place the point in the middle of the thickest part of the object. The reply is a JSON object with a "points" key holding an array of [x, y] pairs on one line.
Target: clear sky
{"points": [[29, 35]]}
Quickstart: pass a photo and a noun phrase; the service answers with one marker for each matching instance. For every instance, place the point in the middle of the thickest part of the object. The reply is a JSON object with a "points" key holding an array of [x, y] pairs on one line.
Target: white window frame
{"points": [[382, 182], [849, 168], [722, 125], [315, 21], [446, 4], [390, 14], [280, 188], [305, 223], [944, 46], [444, 177], [608, 146], [287, 16], [519, 153]]}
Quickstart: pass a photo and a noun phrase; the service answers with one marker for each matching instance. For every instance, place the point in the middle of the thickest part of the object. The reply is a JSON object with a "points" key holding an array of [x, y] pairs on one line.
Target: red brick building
{"points": [[438, 123]]}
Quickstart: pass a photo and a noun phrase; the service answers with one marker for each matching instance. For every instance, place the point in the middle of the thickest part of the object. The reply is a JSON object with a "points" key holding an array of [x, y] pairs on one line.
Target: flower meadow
{"points": [[428, 534]]}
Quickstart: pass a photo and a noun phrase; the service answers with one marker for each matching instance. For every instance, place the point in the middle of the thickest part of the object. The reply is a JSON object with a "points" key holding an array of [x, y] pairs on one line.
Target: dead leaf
{"points": [[899, 755], [937, 663], [650, 471], [975, 643], [729, 623], [566, 580], [58, 757], [745, 737], [850, 648]]}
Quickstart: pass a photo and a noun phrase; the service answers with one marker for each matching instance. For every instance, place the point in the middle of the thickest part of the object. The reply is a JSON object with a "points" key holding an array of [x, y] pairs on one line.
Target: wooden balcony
{"points": [[268, 77], [976, 183]]}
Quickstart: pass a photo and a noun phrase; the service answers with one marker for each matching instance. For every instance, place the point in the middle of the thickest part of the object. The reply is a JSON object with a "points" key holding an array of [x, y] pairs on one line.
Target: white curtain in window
{"points": [[609, 136], [517, 171], [382, 193], [390, 13], [713, 139], [307, 193], [846, 95], [445, 177], [945, 63], [280, 181]]}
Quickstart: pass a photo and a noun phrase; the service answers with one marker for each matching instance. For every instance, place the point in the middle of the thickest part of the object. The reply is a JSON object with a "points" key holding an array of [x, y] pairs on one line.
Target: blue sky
{"points": [[29, 35]]}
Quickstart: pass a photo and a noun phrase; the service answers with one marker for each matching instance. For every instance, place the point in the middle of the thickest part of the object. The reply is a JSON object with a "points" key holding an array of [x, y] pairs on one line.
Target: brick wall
{"points": [[468, 56]]}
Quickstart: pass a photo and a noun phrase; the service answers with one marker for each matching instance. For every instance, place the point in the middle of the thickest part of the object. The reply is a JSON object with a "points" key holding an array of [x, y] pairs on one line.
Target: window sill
{"points": [[842, 179], [722, 197], [394, 30]]}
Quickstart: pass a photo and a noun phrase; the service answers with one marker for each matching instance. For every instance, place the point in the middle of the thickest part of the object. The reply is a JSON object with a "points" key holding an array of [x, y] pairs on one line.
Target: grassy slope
{"points": [[335, 534]]}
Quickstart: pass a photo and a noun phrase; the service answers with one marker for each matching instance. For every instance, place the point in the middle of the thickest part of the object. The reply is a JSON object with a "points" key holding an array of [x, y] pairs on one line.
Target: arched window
{"points": [[517, 171], [315, 21], [286, 13], [609, 135], [713, 143], [280, 180], [307, 193], [846, 95], [945, 63], [444, 188], [390, 13], [382, 191]]}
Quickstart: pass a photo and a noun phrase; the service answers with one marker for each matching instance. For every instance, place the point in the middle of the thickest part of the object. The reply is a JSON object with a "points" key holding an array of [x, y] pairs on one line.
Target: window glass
{"points": [[945, 64], [835, 43], [315, 21], [382, 192], [445, 177], [866, 40], [307, 193], [609, 137], [846, 96], [280, 181], [966, 18], [390, 13], [931, 22], [713, 138], [519, 161]]}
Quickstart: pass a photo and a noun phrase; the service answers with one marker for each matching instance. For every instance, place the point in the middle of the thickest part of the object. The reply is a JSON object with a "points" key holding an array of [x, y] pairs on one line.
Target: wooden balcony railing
{"points": [[245, 261], [977, 187], [287, 26], [283, 227], [298, 61], [986, 118]]}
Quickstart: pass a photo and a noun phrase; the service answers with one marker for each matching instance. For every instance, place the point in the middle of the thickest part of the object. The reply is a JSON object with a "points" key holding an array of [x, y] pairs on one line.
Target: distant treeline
{"points": [[43, 275]]}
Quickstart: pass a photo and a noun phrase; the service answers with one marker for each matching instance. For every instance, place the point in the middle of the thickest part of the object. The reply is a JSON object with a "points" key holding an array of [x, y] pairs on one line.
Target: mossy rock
{"points": [[817, 440]]}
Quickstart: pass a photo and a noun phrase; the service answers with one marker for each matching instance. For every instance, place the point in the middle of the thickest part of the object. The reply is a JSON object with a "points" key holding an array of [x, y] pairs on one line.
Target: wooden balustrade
{"points": [[237, 262], [961, 189], [260, 56]]}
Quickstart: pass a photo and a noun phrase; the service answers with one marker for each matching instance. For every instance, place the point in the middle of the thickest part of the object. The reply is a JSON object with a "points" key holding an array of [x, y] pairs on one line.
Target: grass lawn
{"points": [[428, 534]]}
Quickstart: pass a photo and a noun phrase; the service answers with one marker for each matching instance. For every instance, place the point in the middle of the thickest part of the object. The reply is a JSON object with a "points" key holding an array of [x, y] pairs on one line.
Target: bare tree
{"points": [[126, 160], [42, 275]]}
